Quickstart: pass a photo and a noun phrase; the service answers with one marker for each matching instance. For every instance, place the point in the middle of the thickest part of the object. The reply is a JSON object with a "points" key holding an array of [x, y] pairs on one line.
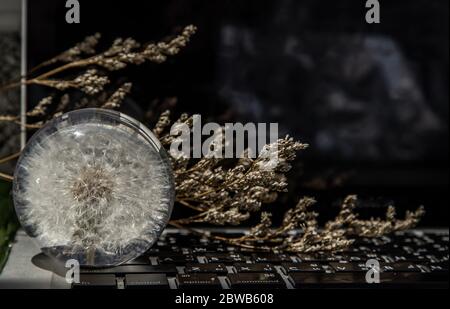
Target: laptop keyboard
{"points": [[180, 261]]}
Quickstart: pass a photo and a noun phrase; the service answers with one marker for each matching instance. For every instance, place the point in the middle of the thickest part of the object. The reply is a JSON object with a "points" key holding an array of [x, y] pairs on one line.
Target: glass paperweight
{"points": [[94, 185]]}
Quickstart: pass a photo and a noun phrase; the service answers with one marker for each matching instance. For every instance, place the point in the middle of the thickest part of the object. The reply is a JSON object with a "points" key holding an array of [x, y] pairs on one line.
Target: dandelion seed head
{"points": [[93, 187]]}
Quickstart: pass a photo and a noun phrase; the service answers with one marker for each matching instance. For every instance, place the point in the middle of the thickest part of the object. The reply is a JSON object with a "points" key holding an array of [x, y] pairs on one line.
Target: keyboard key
{"points": [[349, 267], [132, 269], [312, 258], [355, 258], [405, 258], [419, 257], [198, 281], [334, 257], [254, 268], [215, 268], [400, 267], [98, 281], [147, 281], [327, 280], [267, 257], [227, 258], [165, 249], [178, 259], [439, 267], [441, 258], [302, 267], [212, 248], [256, 280], [376, 256]]}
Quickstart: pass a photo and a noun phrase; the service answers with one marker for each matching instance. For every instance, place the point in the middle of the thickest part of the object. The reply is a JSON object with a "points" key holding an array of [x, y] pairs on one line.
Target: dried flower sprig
{"points": [[373, 227], [230, 196], [41, 108], [300, 233], [116, 99], [121, 53], [85, 47], [89, 82]]}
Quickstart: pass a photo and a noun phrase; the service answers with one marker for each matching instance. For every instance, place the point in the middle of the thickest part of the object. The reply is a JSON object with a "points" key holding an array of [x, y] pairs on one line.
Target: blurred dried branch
{"points": [[230, 196], [90, 80]]}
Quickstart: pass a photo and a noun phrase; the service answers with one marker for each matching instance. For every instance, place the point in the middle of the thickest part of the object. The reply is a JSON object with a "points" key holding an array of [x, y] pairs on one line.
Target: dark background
{"points": [[372, 100]]}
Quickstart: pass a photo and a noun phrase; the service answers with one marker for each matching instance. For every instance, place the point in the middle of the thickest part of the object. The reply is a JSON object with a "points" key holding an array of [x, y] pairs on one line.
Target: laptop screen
{"points": [[372, 101]]}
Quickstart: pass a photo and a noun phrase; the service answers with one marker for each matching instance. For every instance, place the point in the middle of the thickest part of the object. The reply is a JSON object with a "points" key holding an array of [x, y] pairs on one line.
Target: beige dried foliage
{"points": [[219, 193], [88, 63], [230, 196]]}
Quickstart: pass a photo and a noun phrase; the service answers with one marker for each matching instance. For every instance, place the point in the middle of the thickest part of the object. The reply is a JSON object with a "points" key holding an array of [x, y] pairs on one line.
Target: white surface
{"points": [[20, 272]]}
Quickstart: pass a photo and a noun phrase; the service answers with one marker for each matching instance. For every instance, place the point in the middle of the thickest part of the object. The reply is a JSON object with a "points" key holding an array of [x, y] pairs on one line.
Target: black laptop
{"points": [[370, 98]]}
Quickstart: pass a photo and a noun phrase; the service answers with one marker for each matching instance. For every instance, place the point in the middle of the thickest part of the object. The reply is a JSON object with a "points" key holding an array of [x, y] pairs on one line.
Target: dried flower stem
{"points": [[184, 203], [231, 241], [10, 157], [6, 177], [117, 57]]}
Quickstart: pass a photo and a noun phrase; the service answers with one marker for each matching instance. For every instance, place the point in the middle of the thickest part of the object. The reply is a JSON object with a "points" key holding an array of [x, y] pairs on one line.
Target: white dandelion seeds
{"points": [[94, 185]]}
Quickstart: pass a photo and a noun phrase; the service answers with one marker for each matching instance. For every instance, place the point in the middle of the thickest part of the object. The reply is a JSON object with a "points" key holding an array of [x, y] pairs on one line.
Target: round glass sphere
{"points": [[94, 185]]}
